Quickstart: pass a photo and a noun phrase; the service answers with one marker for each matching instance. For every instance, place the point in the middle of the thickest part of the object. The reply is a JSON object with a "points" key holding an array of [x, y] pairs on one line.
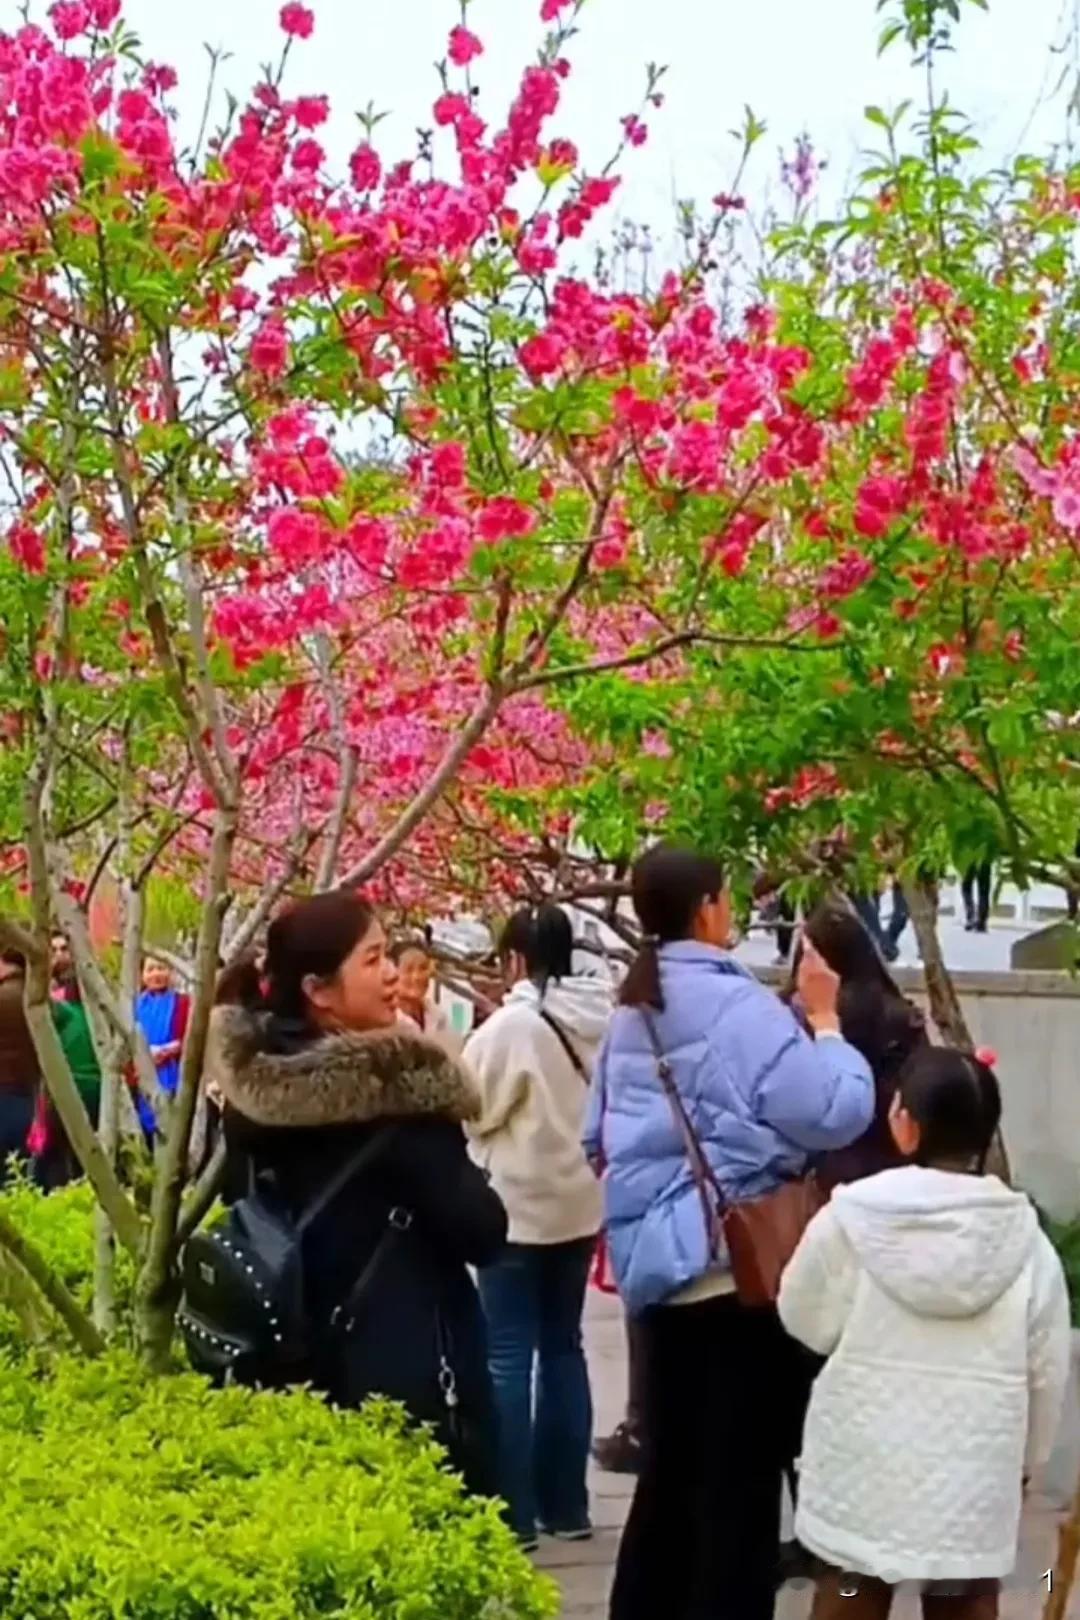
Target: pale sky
{"points": [[796, 71]]}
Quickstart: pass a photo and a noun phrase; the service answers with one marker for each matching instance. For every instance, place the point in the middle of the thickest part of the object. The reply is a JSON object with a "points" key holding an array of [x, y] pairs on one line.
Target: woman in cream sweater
{"points": [[532, 1061]]}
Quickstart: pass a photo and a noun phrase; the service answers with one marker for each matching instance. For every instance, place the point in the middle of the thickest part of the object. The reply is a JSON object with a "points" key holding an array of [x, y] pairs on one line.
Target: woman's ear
{"points": [[906, 1131]]}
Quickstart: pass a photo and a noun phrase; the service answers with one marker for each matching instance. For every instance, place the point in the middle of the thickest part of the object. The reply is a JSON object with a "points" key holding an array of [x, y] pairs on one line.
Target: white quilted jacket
{"points": [[942, 1309]]}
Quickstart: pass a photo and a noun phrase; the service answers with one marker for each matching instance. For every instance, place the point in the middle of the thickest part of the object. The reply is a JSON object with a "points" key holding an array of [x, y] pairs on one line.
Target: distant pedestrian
{"points": [[161, 1012], [532, 1061], [55, 1162], [943, 1311], [20, 1074], [976, 889], [415, 977], [759, 1096]]}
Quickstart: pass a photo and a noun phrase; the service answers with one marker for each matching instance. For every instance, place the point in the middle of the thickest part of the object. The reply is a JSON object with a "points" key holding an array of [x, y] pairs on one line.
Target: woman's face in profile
{"points": [[363, 994]]}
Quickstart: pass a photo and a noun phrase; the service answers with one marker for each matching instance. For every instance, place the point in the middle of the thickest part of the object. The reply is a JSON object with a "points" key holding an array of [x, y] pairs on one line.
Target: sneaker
{"points": [[619, 1452], [528, 1541], [581, 1532]]}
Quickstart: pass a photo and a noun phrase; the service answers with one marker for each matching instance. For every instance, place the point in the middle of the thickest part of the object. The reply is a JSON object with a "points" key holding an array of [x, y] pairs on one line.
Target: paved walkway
{"points": [[584, 1571]]}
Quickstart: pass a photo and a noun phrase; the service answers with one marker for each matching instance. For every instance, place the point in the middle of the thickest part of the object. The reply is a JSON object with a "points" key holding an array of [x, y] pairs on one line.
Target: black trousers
{"points": [[702, 1539]]}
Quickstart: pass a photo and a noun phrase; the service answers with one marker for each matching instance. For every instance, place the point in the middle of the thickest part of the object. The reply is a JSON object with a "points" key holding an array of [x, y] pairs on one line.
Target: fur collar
{"points": [[343, 1079]]}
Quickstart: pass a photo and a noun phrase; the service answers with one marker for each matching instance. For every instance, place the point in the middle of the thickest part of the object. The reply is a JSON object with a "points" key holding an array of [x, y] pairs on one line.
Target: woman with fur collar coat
{"points": [[317, 1071]]}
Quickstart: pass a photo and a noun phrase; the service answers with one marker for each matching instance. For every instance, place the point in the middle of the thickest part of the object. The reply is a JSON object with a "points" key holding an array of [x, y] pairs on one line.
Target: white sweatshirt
{"points": [[943, 1311], [533, 1102]]}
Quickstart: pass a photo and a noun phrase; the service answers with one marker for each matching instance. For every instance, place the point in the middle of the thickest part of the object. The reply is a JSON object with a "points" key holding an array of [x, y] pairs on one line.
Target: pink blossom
{"points": [[159, 79], [270, 349], [69, 18], [550, 9], [311, 111], [635, 131], [365, 168], [655, 745], [308, 157], [1067, 507], [295, 536], [297, 21], [103, 13], [844, 576], [541, 355], [504, 519], [449, 108], [464, 47], [1037, 477]]}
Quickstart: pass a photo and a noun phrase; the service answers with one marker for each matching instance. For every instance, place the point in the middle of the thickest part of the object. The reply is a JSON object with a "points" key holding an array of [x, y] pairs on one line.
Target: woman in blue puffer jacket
{"points": [[721, 1379]]}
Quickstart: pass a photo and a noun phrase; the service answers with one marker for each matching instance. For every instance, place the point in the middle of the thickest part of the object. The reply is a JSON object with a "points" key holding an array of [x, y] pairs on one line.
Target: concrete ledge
{"points": [[1053, 986]]}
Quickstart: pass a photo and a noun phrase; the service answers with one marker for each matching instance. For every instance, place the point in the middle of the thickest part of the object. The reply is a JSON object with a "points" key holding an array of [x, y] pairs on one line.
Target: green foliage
{"points": [[1065, 1236], [61, 1229], [128, 1498]]}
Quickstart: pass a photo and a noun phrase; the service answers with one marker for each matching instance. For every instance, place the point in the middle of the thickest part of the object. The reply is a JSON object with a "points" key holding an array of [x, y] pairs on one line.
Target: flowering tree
{"points": [[316, 491]]}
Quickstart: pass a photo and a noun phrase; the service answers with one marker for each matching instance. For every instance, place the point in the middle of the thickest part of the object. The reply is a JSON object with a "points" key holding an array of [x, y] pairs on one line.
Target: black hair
{"points": [[544, 936], [311, 940], [668, 887], [875, 1015], [240, 984], [514, 939], [956, 1102]]}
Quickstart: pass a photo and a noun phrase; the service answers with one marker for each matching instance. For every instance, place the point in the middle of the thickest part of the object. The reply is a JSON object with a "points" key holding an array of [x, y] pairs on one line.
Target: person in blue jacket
{"points": [[721, 1379]]}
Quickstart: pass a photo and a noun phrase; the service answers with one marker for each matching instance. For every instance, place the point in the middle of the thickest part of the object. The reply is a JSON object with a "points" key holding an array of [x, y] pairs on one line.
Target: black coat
{"points": [[301, 1108]]}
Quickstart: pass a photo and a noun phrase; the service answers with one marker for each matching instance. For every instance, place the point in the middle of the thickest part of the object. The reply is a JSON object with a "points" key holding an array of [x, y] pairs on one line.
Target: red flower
{"points": [[505, 518], [550, 9], [270, 349], [103, 13], [308, 157], [297, 21], [311, 111], [464, 47], [69, 18], [27, 547], [635, 131], [541, 355], [365, 168]]}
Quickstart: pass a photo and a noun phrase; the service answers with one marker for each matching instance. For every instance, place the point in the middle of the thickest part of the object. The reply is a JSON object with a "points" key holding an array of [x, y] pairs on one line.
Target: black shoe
{"points": [[619, 1452]]}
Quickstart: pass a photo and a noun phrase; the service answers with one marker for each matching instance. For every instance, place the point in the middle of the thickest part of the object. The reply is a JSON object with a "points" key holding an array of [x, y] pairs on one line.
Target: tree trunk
{"points": [[158, 1288], [104, 1236], [945, 1006], [1061, 1582]]}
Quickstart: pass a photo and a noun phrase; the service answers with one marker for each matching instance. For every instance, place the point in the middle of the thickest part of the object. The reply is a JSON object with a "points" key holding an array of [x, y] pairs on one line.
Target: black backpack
{"points": [[243, 1313]]}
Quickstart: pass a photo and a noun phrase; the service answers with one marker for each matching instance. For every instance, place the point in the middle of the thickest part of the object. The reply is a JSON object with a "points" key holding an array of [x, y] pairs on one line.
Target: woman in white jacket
{"points": [[532, 1061], [942, 1309]]}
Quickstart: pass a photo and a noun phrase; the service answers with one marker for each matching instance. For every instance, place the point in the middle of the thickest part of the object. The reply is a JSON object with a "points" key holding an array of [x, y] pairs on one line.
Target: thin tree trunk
{"points": [[104, 1236], [1064, 1574], [78, 1324], [157, 1291], [945, 1006]]}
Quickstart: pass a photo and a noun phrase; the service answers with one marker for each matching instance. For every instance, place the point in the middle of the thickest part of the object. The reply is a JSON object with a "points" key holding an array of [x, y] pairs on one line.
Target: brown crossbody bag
{"points": [[760, 1235]]}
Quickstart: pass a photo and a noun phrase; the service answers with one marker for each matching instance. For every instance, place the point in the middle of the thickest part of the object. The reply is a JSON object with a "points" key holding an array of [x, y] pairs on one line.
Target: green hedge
{"points": [[135, 1498]]}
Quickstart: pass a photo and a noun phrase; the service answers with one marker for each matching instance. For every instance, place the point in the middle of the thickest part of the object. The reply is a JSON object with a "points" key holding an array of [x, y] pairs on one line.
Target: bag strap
{"points": [[700, 1168], [352, 1167], [565, 1042]]}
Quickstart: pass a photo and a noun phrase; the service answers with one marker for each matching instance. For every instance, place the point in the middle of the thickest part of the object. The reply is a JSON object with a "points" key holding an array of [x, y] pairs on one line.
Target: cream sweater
{"points": [[533, 1100]]}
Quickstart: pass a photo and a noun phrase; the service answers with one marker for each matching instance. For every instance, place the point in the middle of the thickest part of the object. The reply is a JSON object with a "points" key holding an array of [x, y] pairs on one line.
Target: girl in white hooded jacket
{"points": [[532, 1061], [942, 1309]]}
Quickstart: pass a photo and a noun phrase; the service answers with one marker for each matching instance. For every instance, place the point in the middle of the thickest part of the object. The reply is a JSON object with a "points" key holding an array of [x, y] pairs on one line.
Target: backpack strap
{"points": [[708, 1187], [360, 1160], [565, 1042]]}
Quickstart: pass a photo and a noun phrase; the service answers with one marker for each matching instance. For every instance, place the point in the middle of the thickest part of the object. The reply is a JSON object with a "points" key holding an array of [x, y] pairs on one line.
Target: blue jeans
{"points": [[533, 1300], [16, 1118]]}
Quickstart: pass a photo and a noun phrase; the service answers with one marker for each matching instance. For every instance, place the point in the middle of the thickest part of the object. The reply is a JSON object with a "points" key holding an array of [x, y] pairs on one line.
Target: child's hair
{"points": [[956, 1102], [544, 936]]}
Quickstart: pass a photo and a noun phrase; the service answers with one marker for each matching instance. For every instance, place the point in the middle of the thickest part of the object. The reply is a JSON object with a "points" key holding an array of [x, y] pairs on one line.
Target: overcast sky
{"points": [[797, 72]]}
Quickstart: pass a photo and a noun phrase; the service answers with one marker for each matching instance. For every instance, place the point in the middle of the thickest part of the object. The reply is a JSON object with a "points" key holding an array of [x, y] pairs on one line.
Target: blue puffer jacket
{"points": [[760, 1093]]}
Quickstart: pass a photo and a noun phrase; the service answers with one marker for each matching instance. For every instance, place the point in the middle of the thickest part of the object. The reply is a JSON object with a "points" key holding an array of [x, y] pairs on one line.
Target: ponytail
{"points": [[668, 887], [642, 987]]}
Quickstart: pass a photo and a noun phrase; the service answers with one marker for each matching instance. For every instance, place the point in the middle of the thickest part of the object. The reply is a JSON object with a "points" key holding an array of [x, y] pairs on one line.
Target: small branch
{"points": [[37, 1268], [347, 767], [200, 1201]]}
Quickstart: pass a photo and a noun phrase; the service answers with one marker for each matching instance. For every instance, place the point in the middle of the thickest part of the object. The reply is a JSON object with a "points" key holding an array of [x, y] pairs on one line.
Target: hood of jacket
{"points": [[941, 1243], [582, 1006], [337, 1079]]}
